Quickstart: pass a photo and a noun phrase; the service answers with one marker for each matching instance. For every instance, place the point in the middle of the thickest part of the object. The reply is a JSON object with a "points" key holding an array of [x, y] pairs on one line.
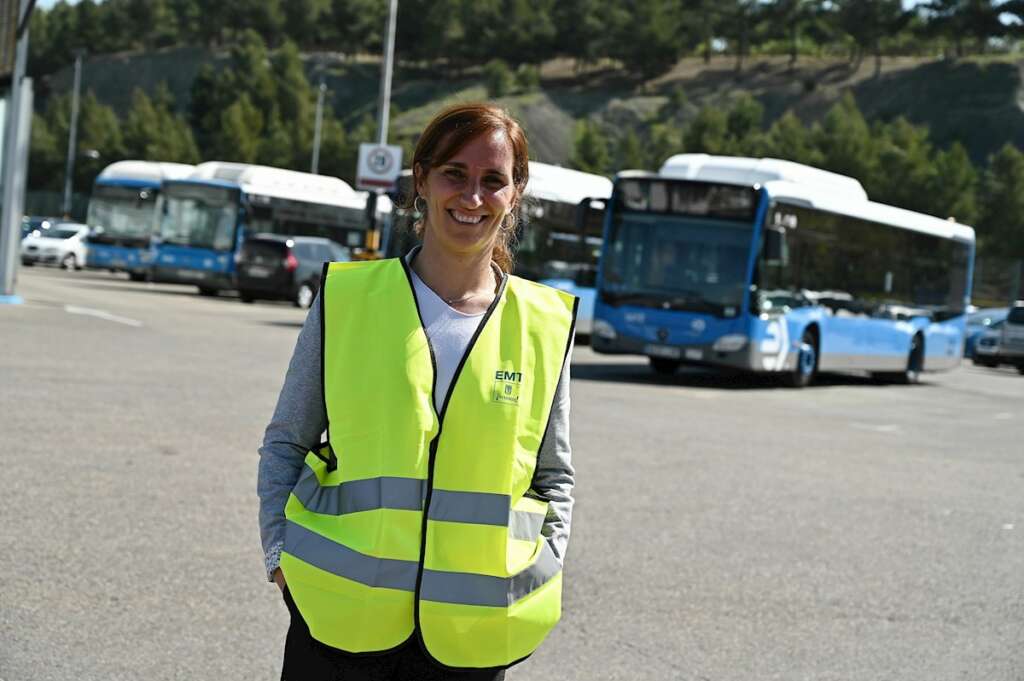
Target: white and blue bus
{"points": [[206, 217], [122, 214], [765, 265]]}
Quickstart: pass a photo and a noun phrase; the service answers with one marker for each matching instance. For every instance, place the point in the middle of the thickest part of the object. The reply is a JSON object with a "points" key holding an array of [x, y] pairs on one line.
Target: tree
{"points": [[904, 152], [954, 186], [579, 25], [152, 131], [960, 19], [646, 36], [792, 18], [708, 133], [790, 140], [846, 143], [590, 149], [357, 25], [629, 152], [739, 20], [868, 21], [241, 128], [1001, 224]]}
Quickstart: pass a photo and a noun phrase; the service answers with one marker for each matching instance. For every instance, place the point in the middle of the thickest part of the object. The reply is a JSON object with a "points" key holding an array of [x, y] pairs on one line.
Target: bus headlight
{"points": [[730, 343], [603, 329]]}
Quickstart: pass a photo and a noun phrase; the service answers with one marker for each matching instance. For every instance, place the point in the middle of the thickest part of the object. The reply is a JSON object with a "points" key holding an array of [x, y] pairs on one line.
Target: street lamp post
{"points": [[69, 168], [321, 90]]}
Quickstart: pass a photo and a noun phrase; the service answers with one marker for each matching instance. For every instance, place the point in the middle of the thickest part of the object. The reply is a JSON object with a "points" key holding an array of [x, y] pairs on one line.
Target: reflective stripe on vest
{"points": [[428, 519]]}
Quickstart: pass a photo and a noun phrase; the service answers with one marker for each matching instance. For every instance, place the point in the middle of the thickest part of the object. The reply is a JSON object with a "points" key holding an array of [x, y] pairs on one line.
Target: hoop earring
{"points": [[509, 221], [416, 205]]}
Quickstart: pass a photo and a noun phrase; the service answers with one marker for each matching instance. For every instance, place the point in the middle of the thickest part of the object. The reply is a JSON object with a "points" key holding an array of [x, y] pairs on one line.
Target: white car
{"points": [[62, 244]]}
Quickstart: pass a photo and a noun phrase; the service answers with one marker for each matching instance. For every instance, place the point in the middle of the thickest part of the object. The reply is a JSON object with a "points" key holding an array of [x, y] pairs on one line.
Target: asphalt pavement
{"points": [[725, 528]]}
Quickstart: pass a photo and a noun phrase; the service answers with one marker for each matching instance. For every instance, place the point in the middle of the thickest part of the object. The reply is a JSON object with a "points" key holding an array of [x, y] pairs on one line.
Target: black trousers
{"points": [[306, 659]]}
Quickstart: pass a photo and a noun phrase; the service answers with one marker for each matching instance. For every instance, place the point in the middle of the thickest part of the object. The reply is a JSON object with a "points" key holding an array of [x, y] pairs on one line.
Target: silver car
{"points": [[62, 244]]}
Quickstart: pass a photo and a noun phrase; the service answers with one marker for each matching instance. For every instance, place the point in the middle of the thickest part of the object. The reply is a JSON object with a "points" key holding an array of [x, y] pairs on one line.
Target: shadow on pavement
{"points": [[696, 377]]}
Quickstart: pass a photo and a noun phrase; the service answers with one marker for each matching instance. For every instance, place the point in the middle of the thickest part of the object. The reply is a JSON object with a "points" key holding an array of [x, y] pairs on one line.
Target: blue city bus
{"points": [[765, 265], [205, 218], [122, 214]]}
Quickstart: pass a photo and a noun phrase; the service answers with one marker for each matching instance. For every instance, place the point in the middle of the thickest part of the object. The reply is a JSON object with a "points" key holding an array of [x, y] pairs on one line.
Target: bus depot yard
{"points": [[725, 528]]}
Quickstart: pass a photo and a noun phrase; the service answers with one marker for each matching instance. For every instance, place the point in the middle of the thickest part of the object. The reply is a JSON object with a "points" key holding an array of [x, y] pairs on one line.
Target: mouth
{"points": [[465, 218]]}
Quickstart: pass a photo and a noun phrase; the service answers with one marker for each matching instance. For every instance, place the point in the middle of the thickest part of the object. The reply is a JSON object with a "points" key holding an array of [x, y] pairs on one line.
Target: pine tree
{"points": [[953, 192], [590, 149], [1001, 224]]}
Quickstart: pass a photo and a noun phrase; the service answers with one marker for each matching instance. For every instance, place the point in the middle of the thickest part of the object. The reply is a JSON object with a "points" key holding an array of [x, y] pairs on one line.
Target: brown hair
{"points": [[452, 129]]}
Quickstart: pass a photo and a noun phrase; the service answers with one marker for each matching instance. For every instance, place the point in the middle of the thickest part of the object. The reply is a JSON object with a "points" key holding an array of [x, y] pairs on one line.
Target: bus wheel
{"points": [[207, 291], [1020, 369], [70, 262], [806, 367], [664, 367], [137, 276]]}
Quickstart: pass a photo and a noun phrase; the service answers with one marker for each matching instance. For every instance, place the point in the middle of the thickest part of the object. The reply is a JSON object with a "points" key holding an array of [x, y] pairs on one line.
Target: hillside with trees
{"points": [[923, 107]]}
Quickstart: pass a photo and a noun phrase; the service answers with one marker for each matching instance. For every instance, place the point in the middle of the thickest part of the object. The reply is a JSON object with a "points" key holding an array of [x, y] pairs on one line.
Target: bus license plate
{"points": [[666, 351], [259, 272], [694, 354]]}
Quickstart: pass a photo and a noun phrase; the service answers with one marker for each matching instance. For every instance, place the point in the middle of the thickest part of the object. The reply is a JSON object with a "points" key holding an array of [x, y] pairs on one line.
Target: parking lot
{"points": [[725, 528]]}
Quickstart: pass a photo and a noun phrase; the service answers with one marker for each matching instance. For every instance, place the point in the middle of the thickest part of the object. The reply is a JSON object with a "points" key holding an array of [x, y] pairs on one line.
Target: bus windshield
{"points": [[121, 212], [679, 245], [199, 216]]}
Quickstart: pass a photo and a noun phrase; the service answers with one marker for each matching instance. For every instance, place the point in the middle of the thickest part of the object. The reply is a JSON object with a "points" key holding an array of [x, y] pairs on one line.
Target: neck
{"points": [[454, 276]]}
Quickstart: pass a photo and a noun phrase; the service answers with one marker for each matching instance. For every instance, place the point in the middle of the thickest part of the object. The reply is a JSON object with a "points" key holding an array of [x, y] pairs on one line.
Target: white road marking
{"points": [[1003, 416], [1008, 526], [101, 314], [878, 427]]}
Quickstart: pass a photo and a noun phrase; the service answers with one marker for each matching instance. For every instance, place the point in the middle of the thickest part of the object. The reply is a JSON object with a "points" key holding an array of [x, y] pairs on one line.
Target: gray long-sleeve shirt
{"points": [[298, 425]]}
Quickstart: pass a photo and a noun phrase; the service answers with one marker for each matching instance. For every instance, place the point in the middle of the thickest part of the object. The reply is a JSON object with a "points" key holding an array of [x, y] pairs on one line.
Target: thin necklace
{"points": [[470, 296]]}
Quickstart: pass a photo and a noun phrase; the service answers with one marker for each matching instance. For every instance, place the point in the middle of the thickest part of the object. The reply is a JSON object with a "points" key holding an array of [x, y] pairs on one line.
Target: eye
{"points": [[453, 173], [496, 181]]}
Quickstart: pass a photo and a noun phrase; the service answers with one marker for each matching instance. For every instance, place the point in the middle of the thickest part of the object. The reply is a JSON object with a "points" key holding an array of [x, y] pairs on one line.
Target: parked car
{"points": [[1011, 337], [986, 349], [978, 322], [62, 244], [275, 267]]}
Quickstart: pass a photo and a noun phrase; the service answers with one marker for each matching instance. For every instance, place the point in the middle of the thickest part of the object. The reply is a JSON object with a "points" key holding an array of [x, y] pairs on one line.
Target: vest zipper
{"points": [[440, 427]]}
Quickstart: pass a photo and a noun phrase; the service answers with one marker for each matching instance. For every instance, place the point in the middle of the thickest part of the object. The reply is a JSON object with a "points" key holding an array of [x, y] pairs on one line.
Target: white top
{"points": [[449, 332]]}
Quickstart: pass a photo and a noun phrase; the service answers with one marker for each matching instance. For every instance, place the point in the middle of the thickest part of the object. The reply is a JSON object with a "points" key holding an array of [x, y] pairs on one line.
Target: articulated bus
{"points": [[206, 217], [765, 265], [559, 240], [122, 214]]}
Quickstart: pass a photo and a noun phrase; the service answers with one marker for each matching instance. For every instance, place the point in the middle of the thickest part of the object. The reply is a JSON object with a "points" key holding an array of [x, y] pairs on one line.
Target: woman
{"points": [[423, 537]]}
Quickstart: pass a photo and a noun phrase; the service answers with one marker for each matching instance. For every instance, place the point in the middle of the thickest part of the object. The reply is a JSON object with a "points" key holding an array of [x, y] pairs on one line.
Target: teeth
{"points": [[468, 219]]}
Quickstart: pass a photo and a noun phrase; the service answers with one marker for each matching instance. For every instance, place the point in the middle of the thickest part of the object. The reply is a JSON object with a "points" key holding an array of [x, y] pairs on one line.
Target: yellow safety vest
{"points": [[409, 521]]}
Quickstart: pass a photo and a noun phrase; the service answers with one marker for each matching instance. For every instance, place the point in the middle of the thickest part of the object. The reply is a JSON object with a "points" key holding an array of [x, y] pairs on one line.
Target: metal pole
{"points": [[383, 110], [15, 137], [69, 169], [315, 165]]}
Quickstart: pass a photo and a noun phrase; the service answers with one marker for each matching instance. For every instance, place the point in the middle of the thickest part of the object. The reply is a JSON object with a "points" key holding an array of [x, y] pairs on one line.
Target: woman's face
{"points": [[469, 195]]}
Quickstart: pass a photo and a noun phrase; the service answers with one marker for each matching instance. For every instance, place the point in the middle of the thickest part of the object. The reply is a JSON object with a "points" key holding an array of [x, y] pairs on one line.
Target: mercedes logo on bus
{"points": [[663, 334]]}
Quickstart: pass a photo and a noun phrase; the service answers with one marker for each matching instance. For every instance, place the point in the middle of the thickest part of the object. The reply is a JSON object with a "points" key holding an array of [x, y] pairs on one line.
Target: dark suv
{"points": [[276, 267]]}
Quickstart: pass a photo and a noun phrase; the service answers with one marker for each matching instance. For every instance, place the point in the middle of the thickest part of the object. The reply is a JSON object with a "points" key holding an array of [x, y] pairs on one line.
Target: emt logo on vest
{"points": [[506, 386]]}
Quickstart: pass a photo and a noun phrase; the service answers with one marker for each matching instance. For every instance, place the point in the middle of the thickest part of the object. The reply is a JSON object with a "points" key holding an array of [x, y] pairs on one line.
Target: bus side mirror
{"points": [[775, 249], [590, 216]]}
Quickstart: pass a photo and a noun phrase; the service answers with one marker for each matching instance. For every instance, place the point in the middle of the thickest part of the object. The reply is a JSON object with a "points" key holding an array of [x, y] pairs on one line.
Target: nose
{"points": [[471, 194]]}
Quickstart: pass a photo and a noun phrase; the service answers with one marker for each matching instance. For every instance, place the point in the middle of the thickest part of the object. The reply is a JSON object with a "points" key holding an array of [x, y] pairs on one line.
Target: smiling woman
{"points": [[405, 549]]}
